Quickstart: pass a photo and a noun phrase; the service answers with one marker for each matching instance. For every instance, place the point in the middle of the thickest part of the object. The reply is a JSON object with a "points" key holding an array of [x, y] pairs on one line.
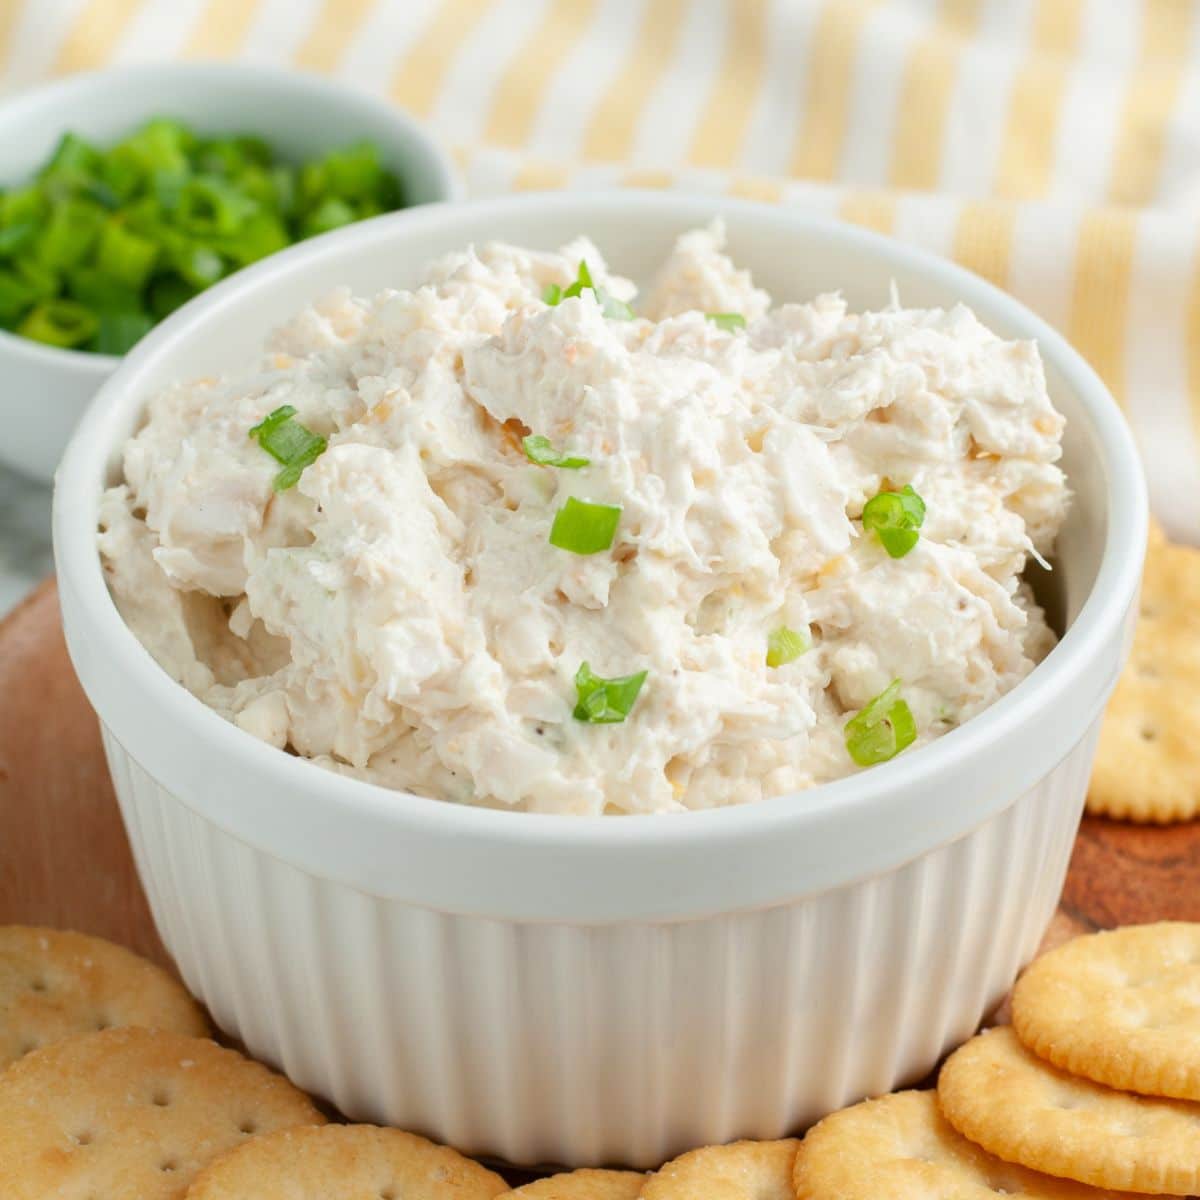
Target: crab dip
{"points": [[524, 538]]}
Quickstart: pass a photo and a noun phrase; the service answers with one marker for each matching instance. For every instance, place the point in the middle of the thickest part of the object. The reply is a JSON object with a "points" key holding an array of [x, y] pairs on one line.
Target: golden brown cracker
{"points": [[1148, 761], [1122, 1008], [54, 984], [1002, 1097], [585, 1184], [345, 1162], [738, 1171], [902, 1148], [132, 1113]]}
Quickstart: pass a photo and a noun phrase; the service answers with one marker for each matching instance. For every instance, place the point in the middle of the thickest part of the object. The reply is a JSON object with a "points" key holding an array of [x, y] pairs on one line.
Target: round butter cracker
{"points": [[345, 1162], [1002, 1097], [1122, 1008], [585, 1184], [132, 1113], [54, 984], [738, 1171], [1147, 765], [902, 1148]]}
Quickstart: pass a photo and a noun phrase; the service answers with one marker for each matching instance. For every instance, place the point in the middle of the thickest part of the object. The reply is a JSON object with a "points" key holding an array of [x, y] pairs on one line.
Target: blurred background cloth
{"points": [[1051, 145]]}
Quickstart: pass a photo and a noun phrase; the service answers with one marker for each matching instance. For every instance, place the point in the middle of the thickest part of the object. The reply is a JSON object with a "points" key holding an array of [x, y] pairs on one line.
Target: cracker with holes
{"points": [[349, 1162], [132, 1113], [1148, 761], [1122, 1008], [584, 1184], [1021, 1109], [53, 984], [902, 1148], [738, 1171]]}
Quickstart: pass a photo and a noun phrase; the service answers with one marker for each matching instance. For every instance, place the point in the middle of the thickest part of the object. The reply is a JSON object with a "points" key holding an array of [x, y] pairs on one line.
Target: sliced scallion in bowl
{"points": [[104, 242]]}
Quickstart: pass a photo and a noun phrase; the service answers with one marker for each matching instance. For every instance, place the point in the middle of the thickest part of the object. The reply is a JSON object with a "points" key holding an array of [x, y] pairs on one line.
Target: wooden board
{"points": [[64, 860]]}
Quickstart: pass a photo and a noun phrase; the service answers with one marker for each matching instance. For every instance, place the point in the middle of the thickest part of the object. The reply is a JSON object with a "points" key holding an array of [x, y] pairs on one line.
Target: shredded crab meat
{"points": [[400, 615]]}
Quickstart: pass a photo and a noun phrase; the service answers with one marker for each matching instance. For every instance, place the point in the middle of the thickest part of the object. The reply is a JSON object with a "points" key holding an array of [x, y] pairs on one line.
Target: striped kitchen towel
{"points": [[1051, 145]]}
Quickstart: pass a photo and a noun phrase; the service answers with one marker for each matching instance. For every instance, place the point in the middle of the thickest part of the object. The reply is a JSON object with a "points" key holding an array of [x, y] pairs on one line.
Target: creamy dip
{"points": [[400, 613]]}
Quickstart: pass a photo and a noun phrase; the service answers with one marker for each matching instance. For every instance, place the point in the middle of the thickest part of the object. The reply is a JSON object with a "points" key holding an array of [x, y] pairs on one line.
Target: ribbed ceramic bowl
{"points": [[44, 389], [573, 990]]}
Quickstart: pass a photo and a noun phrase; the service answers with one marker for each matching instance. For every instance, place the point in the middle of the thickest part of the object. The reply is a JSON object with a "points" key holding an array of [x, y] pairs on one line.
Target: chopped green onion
{"points": [[231, 157], [331, 213], [60, 323], [168, 293], [728, 321], [199, 265], [16, 237], [613, 308], [289, 443], [72, 155], [895, 517], [43, 281], [353, 172], [69, 233], [539, 450], [160, 145], [125, 256], [785, 645], [208, 206], [583, 527], [882, 729], [261, 235], [605, 701], [16, 296], [133, 230], [23, 204], [583, 279], [100, 292], [100, 193], [119, 332]]}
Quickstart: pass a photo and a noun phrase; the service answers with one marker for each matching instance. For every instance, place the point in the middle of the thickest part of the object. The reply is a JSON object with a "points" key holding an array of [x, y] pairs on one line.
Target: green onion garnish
{"points": [[583, 527], [583, 279], [616, 309], [132, 231], [895, 517], [728, 321], [605, 701], [540, 450], [785, 645], [288, 442], [882, 729]]}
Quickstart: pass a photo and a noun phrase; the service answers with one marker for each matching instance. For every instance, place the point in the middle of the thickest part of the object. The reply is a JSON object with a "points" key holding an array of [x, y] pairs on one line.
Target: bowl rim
{"points": [[23, 107], [761, 853]]}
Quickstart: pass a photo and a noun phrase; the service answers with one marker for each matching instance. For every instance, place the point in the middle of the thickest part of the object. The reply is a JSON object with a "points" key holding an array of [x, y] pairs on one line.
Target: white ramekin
{"points": [[571, 990], [45, 388]]}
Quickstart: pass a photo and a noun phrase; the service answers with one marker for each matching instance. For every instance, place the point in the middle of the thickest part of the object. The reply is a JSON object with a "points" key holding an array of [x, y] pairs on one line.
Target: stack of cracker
{"points": [[1147, 761], [1095, 1086], [1099, 1077]]}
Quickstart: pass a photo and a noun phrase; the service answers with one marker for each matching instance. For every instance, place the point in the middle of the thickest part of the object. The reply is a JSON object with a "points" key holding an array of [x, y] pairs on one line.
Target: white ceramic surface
{"points": [[43, 390], [611, 989]]}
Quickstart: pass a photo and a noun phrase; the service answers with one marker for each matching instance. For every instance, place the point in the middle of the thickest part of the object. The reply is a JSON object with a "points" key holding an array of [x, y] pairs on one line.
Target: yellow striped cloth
{"points": [[1052, 145]]}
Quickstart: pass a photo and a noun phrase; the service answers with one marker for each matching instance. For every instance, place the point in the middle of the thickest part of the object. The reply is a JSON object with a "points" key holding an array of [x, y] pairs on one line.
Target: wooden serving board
{"points": [[64, 860]]}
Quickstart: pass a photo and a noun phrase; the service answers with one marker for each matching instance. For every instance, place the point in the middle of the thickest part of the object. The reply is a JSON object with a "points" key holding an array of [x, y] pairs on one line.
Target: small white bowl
{"points": [[610, 989], [44, 390]]}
